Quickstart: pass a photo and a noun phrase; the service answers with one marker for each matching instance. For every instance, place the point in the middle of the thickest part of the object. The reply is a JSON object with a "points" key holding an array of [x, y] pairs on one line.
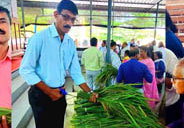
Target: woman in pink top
{"points": [[150, 89]]}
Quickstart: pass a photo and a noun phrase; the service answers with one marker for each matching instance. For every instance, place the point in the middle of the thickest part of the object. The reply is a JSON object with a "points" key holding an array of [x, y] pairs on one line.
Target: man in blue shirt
{"points": [[49, 55], [133, 71], [172, 41]]}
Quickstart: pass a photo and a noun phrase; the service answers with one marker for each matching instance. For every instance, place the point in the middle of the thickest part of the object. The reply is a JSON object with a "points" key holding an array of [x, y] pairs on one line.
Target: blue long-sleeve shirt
{"points": [[132, 72], [48, 59], [174, 44], [160, 67]]}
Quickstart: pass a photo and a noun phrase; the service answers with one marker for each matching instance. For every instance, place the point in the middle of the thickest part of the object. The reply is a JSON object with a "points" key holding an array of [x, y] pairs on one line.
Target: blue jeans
{"points": [[91, 77]]}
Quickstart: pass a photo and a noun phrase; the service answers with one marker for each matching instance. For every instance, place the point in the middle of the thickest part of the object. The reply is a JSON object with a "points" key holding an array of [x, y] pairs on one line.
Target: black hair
{"points": [[125, 43], [93, 41], [104, 41], [147, 50], [2, 9], [113, 43], [127, 52], [68, 5], [159, 54], [170, 24], [133, 52]]}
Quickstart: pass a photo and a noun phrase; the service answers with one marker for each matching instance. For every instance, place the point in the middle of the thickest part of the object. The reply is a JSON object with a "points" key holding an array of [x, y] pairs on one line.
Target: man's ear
{"points": [[56, 14], [137, 56]]}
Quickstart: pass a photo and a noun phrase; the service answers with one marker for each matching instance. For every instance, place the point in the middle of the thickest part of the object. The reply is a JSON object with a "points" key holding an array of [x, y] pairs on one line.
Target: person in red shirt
{"points": [[5, 62]]}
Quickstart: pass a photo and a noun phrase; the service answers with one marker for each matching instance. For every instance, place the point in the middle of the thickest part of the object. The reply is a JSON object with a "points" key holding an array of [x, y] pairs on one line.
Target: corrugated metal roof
{"points": [[118, 5]]}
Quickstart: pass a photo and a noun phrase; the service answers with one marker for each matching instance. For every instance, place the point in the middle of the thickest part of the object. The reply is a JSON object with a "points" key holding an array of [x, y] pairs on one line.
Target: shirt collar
{"points": [[54, 32], [9, 53], [134, 59], [93, 47]]}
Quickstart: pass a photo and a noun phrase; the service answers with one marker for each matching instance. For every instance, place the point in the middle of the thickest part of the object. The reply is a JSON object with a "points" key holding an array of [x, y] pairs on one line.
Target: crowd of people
{"points": [[127, 60], [151, 66]]}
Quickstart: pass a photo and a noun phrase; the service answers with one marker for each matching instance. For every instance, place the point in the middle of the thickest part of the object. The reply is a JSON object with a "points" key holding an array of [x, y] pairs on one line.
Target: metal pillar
{"points": [[108, 57], [35, 28], [90, 19], [156, 19], [112, 20]]}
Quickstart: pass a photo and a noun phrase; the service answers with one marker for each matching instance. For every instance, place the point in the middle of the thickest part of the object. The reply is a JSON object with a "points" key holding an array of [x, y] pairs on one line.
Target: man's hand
{"points": [[94, 97], [168, 83], [4, 123], [85, 88], [55, 94]]}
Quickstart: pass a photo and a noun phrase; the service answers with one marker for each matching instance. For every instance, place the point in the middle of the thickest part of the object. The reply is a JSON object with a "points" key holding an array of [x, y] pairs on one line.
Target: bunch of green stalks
{"points": [[108, 73], [6, 112], [118, 106]]}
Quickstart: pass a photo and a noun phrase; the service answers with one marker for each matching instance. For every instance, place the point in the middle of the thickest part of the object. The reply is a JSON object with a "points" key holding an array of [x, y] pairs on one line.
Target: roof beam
{"points": [[39, 4], [123, 2]]}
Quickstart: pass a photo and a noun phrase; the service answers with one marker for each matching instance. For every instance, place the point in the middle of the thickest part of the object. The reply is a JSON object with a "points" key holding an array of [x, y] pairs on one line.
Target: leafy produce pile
{"points": [[119, 106], [7, 113], [108, 73]]}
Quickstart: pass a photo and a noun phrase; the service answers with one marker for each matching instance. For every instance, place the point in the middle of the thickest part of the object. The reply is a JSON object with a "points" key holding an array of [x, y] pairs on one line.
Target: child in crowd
{"points": [[126, 56], [159, 68]]}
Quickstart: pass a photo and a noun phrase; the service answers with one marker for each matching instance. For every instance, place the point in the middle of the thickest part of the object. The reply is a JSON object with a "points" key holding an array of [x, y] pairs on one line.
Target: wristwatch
{"points": [[90, 92]]}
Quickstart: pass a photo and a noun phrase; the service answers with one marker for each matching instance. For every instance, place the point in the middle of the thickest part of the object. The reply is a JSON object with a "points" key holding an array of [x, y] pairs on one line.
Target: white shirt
{"points": [[171, 96], [123, 50], [103, 49], [170, 59], [114, 59]]}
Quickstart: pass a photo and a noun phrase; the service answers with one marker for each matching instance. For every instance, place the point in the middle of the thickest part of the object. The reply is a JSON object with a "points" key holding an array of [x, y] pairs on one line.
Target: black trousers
{"points": [[174, 112], [47, 113]]}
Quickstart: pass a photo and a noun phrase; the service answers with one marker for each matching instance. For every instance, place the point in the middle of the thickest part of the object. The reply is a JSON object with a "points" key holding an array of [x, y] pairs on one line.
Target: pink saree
{"points": [[150, 89]]}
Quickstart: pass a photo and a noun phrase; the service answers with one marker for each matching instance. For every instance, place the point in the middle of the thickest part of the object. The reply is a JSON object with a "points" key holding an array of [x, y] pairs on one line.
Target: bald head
{"points": [[180, 66], [178, 76]]}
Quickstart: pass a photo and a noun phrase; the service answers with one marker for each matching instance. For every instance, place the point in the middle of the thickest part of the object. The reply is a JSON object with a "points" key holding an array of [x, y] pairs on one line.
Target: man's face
{"points": [[64, 21], [124, 45], [4, 28], [155, 56], [178, 80], [113, 47], [142, 53], [103, 44]]}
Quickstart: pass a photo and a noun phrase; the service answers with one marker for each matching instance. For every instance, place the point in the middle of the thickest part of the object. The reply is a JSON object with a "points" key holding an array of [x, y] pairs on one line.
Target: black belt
{"points": [[56, 87]]}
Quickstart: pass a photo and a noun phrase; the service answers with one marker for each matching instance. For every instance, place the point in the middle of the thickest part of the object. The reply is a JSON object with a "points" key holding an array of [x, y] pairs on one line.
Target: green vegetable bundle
{"points": [[6, 112], [108, 73], [119, 106]]}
